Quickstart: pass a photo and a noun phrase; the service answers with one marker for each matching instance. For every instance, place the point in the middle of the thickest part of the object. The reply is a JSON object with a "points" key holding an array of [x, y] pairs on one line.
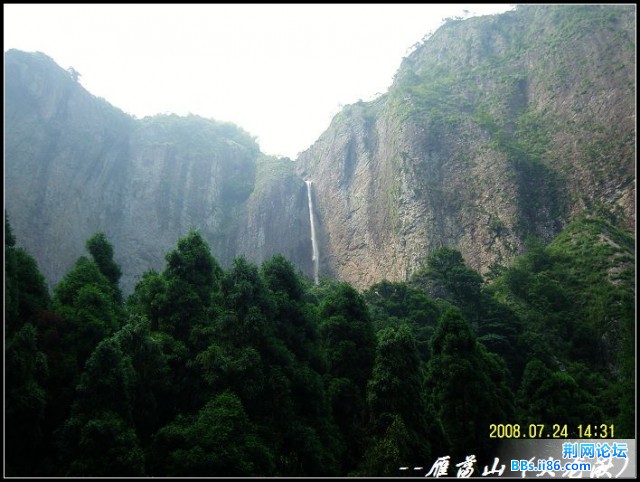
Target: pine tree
{"points": [[26, 371], [191, 277], [349, 343], [26, 293], [220, 441], [99, 438], [467, 386], [101, 251], [397, 406], [26, 366]]}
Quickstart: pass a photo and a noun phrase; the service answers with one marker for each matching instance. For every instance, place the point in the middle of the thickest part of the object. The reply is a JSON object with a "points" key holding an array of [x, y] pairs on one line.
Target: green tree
{"points": [[349, 343], [264, 347], [85, 314], [446, 276], [107, 383], [294, 321], [347, 334], [219, 441], [389, 449], [192, 263], [102, 446], [281, 277], [393, 303], [244, 290], [99, 438], [467, 386], [85, 298], [397, 406], [625, 419], [192, 276], [101, 251], [397, 384], [574, 302], [26, 371], [26, 293], [149, 299], [500, 330], [554, 397], [153, 389]]}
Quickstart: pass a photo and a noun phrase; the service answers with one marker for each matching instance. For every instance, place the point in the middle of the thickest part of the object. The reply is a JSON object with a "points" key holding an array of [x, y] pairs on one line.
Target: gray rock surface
{"points": [[495, 128]]}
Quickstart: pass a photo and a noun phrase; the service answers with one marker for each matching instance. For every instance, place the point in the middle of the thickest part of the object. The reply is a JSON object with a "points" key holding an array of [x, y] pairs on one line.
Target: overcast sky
{"points": [[281, 72]]}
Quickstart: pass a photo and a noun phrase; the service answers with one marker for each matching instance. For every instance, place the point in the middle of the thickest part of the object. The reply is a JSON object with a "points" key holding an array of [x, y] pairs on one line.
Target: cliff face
{"points": [[183, 173], [76, 165], [66, 161], [495, 128], [275, 218]]}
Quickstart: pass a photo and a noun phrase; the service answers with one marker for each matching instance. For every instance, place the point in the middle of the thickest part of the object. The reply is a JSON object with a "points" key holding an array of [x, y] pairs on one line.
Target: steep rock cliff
{"points": [[495, 128], [76, 165], [275, 218]]}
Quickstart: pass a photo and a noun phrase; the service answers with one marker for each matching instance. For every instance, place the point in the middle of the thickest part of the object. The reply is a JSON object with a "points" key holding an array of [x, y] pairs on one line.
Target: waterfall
{"points": [[314, 242]]}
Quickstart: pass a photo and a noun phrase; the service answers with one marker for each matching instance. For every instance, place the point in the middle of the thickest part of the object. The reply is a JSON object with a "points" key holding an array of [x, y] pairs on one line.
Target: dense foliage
{"points": [[254, 371]]}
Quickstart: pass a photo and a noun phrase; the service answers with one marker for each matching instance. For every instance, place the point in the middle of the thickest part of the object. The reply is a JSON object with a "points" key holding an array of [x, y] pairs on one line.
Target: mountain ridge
{"points": [[495, 128], [482, 140], [144, 182]]}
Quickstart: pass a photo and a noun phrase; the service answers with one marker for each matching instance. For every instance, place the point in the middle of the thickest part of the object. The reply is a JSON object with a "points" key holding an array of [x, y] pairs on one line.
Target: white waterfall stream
{"points": [[314, 243]]}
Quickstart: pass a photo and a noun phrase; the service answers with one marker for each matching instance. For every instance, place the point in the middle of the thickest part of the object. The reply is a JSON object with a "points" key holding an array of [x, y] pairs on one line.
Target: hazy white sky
{"points": [[281, 72]]}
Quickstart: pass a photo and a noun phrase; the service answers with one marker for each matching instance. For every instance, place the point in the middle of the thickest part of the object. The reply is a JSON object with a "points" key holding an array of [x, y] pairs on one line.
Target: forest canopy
{"points": [[255, 371]]}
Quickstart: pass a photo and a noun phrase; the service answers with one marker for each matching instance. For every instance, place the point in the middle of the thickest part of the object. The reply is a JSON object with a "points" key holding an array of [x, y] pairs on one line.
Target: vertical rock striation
{"points": [[495, 128]]}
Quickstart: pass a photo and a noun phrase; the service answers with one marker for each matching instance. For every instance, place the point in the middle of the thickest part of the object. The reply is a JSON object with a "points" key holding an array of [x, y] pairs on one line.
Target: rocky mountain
{"points": [[495, 128], [76, 165]]}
